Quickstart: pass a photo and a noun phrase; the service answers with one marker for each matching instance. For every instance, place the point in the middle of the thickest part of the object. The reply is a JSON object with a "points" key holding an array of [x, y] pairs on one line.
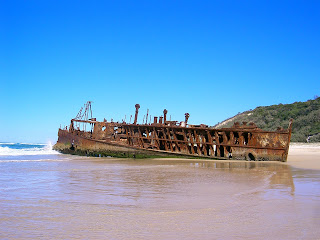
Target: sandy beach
{"points": [[304, 155], [60, 196]]}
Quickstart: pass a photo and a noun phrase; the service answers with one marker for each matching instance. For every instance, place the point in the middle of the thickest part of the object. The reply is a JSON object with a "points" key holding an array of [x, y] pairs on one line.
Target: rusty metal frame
{"points": [[241, 141]]}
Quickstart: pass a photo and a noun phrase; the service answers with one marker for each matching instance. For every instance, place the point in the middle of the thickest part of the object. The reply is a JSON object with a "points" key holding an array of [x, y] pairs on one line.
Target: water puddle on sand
{"points": [[101, 198]]}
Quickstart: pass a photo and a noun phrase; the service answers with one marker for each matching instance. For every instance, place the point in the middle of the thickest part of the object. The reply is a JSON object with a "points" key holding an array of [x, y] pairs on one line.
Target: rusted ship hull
{"points": [[163, 138], [70, 143]]}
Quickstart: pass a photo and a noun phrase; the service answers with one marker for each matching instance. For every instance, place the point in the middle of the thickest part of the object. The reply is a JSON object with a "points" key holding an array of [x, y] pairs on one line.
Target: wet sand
{"points": [[72, 197]]}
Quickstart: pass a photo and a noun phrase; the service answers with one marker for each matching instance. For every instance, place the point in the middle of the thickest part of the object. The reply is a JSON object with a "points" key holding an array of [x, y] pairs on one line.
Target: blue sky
{"points": [[212, 59]]}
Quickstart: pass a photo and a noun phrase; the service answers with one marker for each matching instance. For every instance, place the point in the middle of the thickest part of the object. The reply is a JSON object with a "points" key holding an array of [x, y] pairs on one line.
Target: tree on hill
{"points": [[306, 116]]}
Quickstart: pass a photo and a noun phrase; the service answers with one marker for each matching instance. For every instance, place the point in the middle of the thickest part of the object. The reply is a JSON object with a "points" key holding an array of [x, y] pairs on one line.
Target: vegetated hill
{"points": [[305, 115]]}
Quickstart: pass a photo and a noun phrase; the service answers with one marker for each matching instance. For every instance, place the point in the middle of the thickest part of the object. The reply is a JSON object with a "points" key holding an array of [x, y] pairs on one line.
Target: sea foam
{"points": [[19, 149]]}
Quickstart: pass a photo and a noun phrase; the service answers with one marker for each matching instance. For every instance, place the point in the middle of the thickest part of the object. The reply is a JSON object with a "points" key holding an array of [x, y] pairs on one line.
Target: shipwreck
{"points": [[162, 137]]}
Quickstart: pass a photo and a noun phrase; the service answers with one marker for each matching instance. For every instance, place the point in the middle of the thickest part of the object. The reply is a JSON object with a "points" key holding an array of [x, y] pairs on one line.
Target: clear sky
{"points": [[212, 59]]}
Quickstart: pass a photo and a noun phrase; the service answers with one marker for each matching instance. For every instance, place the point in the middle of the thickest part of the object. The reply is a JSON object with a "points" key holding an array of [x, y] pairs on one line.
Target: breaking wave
{"points": [[19, 149]]}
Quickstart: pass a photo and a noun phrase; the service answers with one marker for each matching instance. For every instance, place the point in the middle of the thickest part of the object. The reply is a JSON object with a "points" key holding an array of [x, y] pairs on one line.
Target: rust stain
{"points": [[243, 141]]}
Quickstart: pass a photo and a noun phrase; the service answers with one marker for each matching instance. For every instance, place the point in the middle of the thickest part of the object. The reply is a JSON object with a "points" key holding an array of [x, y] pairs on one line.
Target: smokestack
{"points": [[160, 120], [136, 116], [155, 119], [165, 116], [187, 115]]}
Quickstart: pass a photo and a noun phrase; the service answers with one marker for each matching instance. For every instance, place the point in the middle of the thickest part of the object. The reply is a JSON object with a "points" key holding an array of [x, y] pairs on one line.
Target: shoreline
{"points": [[301, 155]]}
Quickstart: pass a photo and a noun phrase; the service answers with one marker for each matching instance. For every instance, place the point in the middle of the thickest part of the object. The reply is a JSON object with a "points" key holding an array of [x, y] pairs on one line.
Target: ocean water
{"points": [[14, 150], [46, 195]]}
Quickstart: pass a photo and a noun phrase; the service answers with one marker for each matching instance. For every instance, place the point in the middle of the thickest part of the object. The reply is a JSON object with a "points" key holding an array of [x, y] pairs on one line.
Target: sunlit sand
{"points": [[304, 155]]}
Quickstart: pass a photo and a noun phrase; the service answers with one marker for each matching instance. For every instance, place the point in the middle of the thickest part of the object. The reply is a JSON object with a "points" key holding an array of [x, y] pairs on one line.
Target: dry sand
{"points": [[304, 155]]}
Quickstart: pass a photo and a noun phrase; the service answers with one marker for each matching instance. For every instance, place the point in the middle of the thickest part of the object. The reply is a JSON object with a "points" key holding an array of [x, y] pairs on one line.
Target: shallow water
{"points": [[71, 197]]}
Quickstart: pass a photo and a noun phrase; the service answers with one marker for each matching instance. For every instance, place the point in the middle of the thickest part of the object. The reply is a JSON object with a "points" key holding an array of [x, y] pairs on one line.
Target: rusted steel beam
{"points": [[141, 142], [221, 144], [168, 138], [197, 142], [156, 138], [284, 132], [164, 139], [242, 141], [191, 141], [216, 136], [175, 140], [210, 143]]}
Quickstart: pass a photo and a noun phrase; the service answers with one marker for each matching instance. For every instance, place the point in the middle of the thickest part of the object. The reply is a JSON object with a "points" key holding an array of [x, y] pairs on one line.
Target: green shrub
{"points": [[306, 116]]}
